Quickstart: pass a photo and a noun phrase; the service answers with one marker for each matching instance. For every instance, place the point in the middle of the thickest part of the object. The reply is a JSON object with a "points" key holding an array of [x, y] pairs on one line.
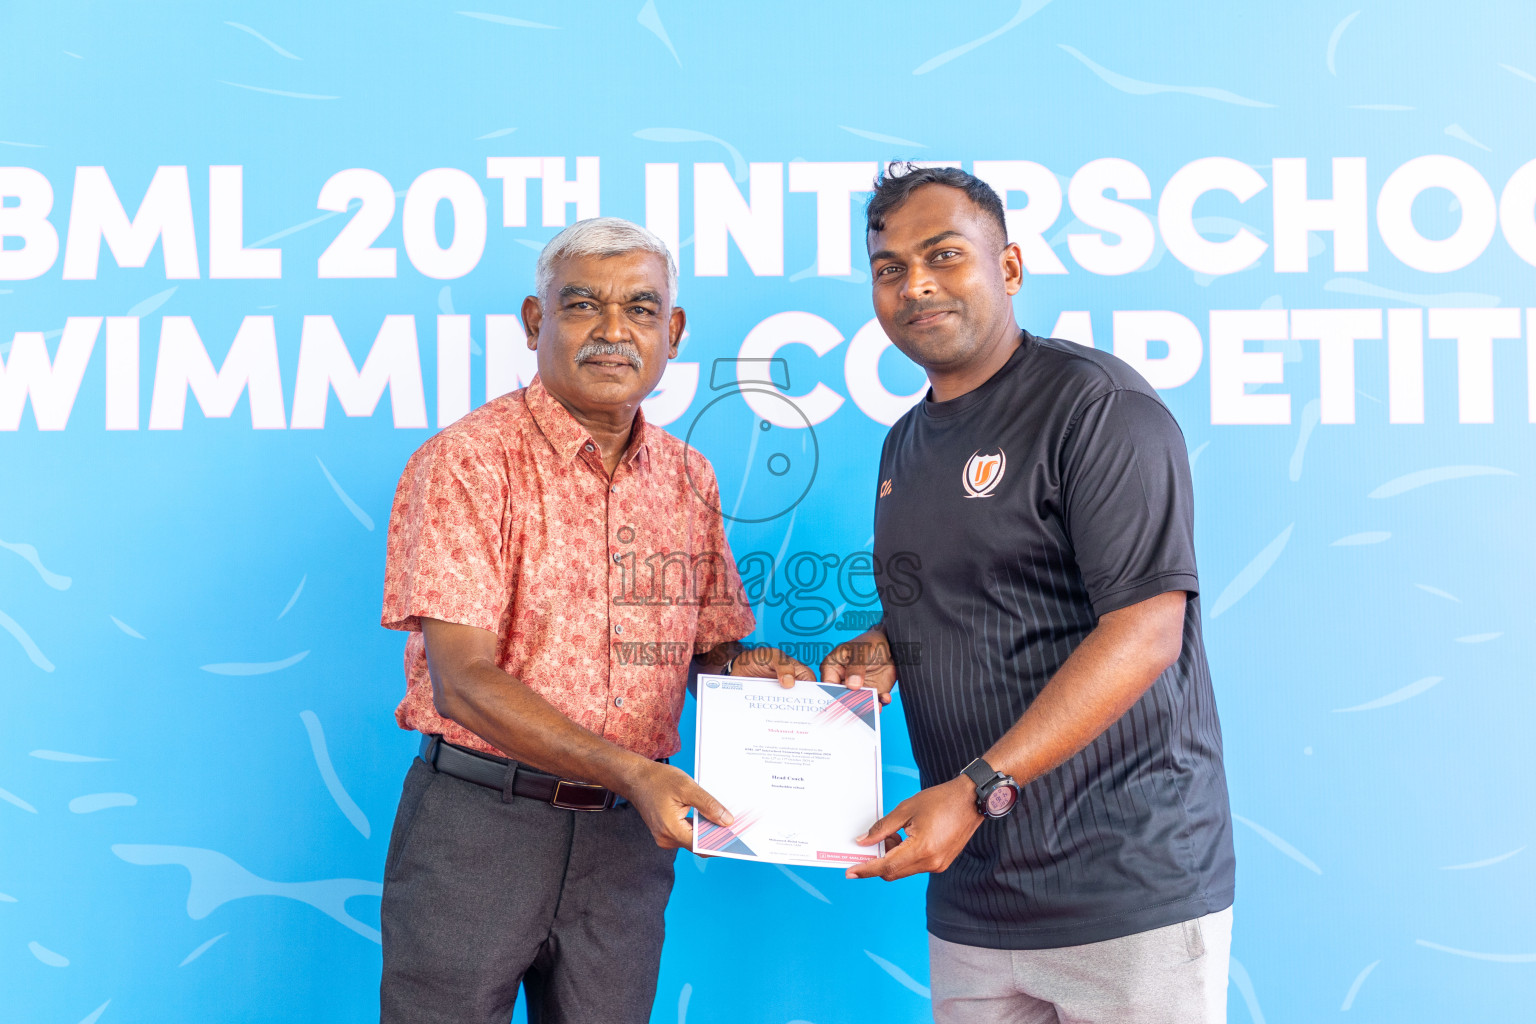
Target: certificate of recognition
{"points": [[799, 769]]}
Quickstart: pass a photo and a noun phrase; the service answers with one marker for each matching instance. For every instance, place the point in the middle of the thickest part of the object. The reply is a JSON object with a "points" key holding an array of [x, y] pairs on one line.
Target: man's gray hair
{"points": [[602, 237]]}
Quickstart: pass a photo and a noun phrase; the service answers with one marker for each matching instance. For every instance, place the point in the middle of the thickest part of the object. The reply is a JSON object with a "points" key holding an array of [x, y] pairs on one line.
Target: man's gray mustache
{"points": [[593, 349]]}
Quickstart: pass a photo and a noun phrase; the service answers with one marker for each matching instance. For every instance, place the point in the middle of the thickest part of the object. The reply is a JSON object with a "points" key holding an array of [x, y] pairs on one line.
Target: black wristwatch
{"points": [[996, 793]]}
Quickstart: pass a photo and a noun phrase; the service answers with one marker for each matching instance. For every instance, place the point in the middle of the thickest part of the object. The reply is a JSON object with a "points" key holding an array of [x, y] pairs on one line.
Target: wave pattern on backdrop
{"points": [[1311, 227]]}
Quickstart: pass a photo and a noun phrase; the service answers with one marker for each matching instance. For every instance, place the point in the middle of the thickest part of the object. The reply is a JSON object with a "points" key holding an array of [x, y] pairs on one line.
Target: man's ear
{"points": [[533, 316], [675, 327], [1013, 268]]}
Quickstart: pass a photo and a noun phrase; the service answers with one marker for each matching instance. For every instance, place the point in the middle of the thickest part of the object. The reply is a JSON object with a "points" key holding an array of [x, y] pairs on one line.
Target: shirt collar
{"points": [[566, 435]]}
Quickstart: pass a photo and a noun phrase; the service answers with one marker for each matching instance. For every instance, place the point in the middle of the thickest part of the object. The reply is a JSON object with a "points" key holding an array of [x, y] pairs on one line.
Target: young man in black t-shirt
{"points": [[1074, 812]]}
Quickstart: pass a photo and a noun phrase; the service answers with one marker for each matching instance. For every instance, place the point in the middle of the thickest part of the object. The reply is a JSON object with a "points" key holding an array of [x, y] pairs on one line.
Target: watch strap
{"points": [[979, 772]]}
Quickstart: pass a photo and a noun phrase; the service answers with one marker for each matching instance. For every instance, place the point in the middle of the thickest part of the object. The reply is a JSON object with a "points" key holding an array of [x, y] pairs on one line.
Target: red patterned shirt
{"points": [[599, 590]]}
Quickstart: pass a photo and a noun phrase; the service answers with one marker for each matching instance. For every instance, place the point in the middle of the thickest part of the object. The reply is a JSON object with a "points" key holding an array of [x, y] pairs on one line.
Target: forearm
{"points": [[511, 717], [1100, 681]]}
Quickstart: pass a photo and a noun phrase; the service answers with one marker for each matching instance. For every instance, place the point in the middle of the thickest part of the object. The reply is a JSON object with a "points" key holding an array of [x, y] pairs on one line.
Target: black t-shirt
{"points": [[1009, 519]]}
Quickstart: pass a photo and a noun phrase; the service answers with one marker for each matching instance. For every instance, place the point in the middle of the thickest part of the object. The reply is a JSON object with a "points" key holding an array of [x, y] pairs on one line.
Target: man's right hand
{"points": [[663, 796], [863, 661]]}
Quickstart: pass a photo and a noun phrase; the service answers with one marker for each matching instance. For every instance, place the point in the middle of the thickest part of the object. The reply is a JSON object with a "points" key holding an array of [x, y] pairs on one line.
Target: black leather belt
{"points": [[491, 772]]}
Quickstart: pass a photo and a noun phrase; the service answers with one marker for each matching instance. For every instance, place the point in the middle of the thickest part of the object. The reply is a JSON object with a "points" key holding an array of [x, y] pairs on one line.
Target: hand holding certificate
{"points": [[799, 768]]}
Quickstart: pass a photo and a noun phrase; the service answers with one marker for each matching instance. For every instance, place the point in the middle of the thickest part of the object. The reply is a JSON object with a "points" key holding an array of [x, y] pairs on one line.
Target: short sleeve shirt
{"points": [[1063, 491], [599, 590]]}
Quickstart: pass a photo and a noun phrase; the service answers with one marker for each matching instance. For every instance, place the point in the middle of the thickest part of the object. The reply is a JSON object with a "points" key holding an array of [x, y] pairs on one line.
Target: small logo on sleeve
{"points": [[983, 473], [885, 488]]}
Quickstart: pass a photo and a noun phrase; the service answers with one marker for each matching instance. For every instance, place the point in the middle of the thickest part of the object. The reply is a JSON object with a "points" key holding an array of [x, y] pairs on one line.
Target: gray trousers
{"points": [[1171, 975], [482, 893]]}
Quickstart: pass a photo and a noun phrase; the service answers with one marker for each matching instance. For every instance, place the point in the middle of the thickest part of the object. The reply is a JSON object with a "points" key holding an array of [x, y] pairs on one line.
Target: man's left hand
{"points": [[939, 821], [770, 663]]}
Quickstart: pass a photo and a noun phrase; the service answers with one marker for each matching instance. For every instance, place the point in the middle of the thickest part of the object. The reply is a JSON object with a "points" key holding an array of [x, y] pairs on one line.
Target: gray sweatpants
{"points": [[482, 893], [1171, 975]]}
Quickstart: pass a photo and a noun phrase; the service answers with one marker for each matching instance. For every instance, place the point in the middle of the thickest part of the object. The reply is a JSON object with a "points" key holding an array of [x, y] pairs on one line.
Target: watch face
{"points": [[1000, 801]]}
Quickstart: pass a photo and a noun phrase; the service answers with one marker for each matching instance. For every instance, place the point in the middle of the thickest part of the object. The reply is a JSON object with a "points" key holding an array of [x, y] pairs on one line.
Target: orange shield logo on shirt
{"points": [[983, 473]]}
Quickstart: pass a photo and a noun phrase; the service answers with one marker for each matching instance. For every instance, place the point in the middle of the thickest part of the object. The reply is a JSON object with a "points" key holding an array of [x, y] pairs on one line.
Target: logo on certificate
{"points": [[983, 473], [713, 684]]}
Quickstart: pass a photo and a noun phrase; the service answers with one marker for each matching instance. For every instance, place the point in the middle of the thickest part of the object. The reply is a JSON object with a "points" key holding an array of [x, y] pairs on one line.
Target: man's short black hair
{"points": [[899, 180]]}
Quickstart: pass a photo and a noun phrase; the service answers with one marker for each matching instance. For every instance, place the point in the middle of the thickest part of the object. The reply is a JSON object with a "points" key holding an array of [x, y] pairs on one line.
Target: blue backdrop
{"points": [[199, 766]]}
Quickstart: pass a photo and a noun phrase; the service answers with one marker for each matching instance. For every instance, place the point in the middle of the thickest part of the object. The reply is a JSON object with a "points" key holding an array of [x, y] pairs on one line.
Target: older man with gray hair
{"points": [[528, 552]]}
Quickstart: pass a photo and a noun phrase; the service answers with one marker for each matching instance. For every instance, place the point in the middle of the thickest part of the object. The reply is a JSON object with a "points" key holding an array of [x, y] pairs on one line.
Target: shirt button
{"points": [[588, 447], [619, 628], [617, 557], [618, 702]]}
